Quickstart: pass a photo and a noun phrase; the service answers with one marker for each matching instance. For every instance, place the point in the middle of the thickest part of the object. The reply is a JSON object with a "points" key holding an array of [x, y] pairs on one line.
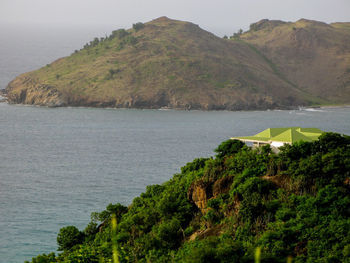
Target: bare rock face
{"points": [[201, 191], [347, 182], [24, 90], [199, 197]]}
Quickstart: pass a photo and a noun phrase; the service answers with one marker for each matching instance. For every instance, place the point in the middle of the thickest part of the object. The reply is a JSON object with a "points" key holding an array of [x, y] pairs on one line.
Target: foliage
{"points": [[44, 258], [212, 249], [112, 209], [112, 72], [138, 26], [68, 237], [228, 147], [237, 35], [120, 33], [299, 211]]}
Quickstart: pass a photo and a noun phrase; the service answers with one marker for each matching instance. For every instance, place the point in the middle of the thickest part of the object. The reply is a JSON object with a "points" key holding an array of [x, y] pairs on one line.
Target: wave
{"points": [[312, 109]]}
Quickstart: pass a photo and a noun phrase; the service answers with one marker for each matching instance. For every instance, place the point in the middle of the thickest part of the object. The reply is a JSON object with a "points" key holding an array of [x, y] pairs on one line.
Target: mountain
{"points": [[311, 55], [290, 206], [176, 64]]}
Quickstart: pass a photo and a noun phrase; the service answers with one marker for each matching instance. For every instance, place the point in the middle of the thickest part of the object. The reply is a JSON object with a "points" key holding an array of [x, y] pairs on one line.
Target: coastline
{"points": [[215, 109], [3, 99], [335, 106]]}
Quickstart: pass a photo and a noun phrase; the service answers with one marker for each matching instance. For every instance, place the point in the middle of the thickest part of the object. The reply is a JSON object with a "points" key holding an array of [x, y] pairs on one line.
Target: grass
{"points": [[172, 55], [313, 100]]}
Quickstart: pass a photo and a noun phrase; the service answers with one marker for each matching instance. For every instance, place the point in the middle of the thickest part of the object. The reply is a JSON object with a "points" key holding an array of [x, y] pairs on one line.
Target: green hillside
{"points": [[176, 64], [242, 203]]}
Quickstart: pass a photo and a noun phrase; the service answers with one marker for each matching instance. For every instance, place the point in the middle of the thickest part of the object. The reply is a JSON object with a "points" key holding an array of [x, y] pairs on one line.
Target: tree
{"points": [[228, 147], [138, 26], [68, 237], [117, 209], [120, 33], [50, 258], [238, 34], [170, 233]]}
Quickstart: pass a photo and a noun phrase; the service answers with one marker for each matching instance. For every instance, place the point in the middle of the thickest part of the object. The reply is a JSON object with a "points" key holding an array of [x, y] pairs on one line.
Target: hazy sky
{"points": [[218, 16]]}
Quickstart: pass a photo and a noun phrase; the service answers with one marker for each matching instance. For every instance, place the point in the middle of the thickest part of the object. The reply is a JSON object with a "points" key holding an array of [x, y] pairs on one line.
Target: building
{"points": [[276, 137]]}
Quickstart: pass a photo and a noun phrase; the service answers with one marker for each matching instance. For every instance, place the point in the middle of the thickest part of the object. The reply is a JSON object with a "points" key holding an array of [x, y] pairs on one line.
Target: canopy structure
{"points": [[279, 136]]}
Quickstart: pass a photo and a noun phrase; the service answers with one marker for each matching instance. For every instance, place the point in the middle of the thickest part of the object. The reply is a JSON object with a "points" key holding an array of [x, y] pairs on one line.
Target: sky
{"points": [[217, 16]]}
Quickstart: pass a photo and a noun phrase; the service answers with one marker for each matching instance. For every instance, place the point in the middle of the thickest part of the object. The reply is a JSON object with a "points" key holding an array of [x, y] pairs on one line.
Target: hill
{"points": [[175, 64], [311, 55], [292, 204]]}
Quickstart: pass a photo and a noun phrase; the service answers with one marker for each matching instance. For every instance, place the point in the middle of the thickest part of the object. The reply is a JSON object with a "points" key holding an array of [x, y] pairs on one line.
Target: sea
{"points": [[57, 165]]}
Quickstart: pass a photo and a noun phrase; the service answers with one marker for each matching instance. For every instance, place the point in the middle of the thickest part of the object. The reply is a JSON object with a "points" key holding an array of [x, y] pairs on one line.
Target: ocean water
{"points": [[59, 165]]}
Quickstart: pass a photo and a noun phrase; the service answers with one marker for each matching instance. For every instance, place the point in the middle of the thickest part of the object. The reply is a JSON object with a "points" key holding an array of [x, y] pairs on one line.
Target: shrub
{"points": [[111, 73], [212, 217], [50, 258], [85, 254], [188, 231], [129, 40], [68, 237], [228, 147], [138, 26], [116, 209], [90, 229], [212, 249], [215, 203], [169, 232], [120, 33], [195, 165]]}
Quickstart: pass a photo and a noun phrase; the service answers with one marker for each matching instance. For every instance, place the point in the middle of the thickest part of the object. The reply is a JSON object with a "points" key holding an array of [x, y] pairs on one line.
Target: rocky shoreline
{"points": [[3, 95]]}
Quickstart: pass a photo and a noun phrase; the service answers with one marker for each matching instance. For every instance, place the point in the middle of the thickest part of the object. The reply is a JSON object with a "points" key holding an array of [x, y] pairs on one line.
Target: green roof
{"points": [[285, 135]]}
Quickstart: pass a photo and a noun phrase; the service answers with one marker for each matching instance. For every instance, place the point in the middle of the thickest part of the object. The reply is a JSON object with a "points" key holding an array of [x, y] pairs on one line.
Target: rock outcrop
{"points": [[24, 90], [202, 190]]}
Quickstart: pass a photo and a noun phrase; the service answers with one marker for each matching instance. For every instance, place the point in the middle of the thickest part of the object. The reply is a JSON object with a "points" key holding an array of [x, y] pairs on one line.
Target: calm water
{"points": [[59, 165]]}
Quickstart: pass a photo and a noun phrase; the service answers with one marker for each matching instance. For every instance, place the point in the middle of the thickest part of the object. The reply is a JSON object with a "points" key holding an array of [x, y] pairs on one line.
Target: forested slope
{"points": [[294, 204]]}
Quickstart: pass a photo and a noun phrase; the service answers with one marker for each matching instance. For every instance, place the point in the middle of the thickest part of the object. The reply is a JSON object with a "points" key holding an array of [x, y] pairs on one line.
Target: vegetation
{"points": [[175, 64], [68, 237], [240, 205], [295, 51], [138, 26]]}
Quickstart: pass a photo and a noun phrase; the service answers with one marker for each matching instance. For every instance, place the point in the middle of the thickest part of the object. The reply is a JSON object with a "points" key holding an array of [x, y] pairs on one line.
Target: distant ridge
{"points": [[312, 55], [175, 64]]}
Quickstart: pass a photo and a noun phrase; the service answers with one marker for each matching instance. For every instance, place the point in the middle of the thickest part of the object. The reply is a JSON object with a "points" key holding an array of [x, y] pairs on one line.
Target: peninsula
{"points": [[167, 63]]}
